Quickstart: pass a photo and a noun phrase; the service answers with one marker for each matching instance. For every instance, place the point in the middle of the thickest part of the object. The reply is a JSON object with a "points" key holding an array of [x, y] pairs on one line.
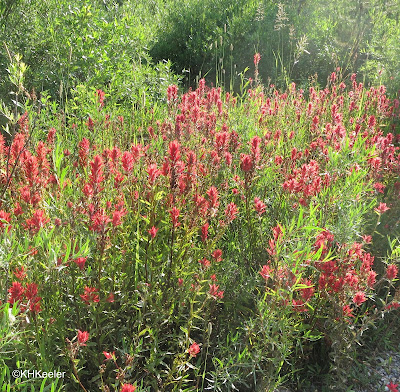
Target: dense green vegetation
{"points": [[124, 44], [197, 195]]}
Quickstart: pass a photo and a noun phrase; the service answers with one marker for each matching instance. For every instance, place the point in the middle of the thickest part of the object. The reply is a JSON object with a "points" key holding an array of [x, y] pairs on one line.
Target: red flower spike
{"points": [[153, 172], [347, 311], [217, 255], [51, 135], [109, 355], [214, 292], [84, 147], [231, 211], [128, 388], [90, 295], [265, 272], [213, 196], [172, 93], [80, 262], [259, 206], [174, 151], [20, 273], [5, 218], [153, 232], [110, 298], [392, 387], [194, 349], [31, 291], [83, 337], [204, 232], [382, 208], [174, 213], [100, 97], [246, 163], [37, 221], [392, 271], [16, 292], [359, 298], [127, 161], [205, 263]]}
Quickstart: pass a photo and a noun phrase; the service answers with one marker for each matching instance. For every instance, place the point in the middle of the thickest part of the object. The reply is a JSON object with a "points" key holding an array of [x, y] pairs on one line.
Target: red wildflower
{"points": [[204, 232], [231, 211], [117, 216], [90, 124], [246, 163], [23, 123], [194, 349], [20, 273], [359, 298], [34, 304], [382, 208], [379, 187], [5, 218], [371, 279], [31, 169], [257, 58], [394, 305], [392, 271], [308, 292], [180, 282], [367, 239], [128, 388], [16, 292], [50, 135], [110, 298], [392, 387], [96, 175], [127, 161], [173, 151], [205, 263], [259, 206], [80, 262], [174, 213], [255, 148], [37, 221], [347, 311], [217, 255], [172, 93], [84, 146], [83, 337], [153, 172], [213, 195], [18, 209], [31, 291], [265, 272], [214, 292], [371, 121], [153, 232], [100, 97], [90, 295], [99, 221], [109, 355]]}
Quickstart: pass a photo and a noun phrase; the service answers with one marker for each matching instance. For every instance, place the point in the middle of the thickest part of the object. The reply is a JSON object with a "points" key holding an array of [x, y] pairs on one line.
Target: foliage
{"points": [[84, 42], [216, 245]]}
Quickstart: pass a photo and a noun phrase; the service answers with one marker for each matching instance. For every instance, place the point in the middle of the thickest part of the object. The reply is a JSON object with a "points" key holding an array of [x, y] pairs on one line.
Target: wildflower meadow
{"points": [[200, 238]]}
